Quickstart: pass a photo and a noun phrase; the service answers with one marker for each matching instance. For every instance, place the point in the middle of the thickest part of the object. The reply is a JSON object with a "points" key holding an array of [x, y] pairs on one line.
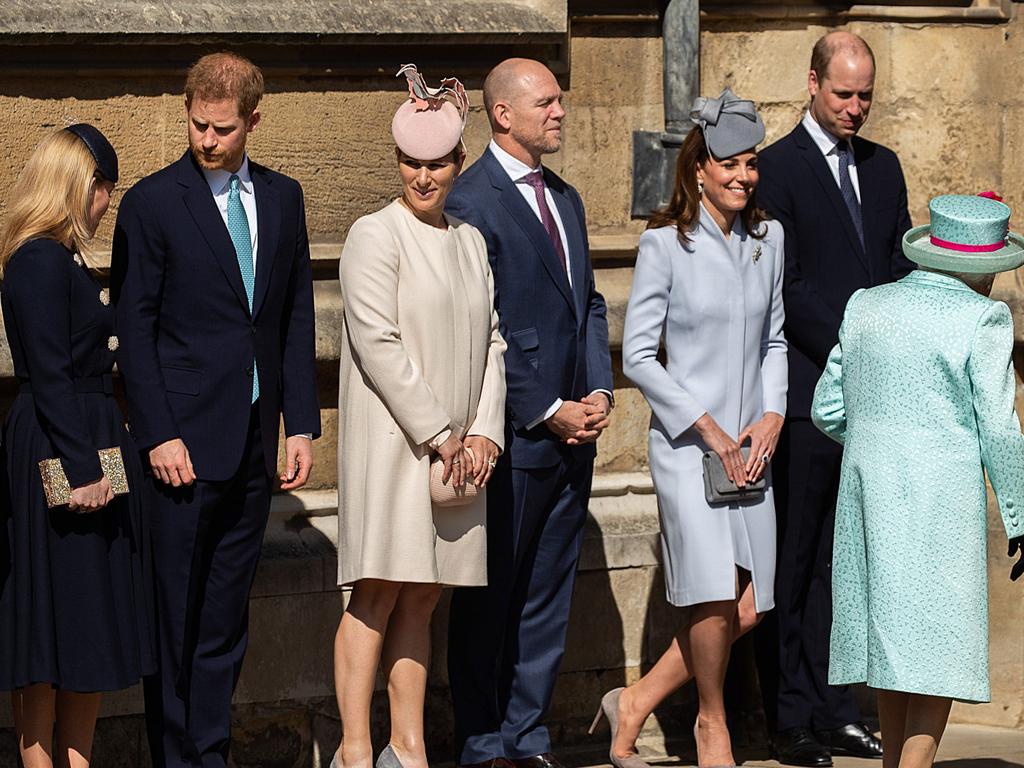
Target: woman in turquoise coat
{"points": [[920, 390]]}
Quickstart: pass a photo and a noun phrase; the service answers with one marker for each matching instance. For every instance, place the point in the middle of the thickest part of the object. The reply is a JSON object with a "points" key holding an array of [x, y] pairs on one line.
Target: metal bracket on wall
{"points": [[655, 153]]}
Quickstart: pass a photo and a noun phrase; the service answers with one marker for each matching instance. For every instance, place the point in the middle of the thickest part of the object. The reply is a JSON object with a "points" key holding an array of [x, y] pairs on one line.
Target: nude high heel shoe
{"points": [[609, 709], [696, 746], [388, 759]]}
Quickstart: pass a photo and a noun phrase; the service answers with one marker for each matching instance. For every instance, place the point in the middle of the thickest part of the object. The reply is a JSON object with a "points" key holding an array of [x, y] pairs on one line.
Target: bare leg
{"points": [[710, 643], [405, 658], [33, 724], [76, 724], [672, 671], [892, 716], [357, 648], [926, 722]]}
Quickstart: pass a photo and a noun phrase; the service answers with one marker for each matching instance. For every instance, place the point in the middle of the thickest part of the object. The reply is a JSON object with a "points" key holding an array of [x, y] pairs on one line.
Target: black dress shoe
{"points": [[547, 760], [854, 740], [797, 746]]}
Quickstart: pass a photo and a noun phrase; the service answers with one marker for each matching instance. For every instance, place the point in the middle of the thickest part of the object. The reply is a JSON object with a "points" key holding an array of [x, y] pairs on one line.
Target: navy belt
{"points": [[87, 384]]}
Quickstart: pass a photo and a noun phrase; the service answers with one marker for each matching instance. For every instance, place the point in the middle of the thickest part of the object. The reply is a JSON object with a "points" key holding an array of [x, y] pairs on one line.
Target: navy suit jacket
{"points": [[187, 337], [825, 261], [557, 335]]}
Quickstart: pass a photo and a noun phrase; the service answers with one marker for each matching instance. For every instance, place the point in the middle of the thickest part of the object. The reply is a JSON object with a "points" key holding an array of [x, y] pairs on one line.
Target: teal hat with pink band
{"points": [[967, 233]]}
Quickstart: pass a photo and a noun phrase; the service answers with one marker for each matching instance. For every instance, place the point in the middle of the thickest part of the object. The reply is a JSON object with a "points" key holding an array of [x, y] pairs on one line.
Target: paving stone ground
{"points": [[963, 746]]}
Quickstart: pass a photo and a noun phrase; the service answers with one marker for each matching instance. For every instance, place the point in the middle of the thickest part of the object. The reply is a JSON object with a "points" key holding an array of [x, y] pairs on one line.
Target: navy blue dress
{"points": [[74, 588]]}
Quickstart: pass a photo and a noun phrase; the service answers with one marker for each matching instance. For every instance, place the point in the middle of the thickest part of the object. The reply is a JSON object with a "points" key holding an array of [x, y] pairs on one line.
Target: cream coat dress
{"points": [[420, 352]]}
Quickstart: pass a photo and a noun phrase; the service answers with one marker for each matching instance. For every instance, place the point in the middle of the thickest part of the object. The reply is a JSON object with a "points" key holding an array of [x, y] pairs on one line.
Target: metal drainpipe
{"points": [[654, 153]]}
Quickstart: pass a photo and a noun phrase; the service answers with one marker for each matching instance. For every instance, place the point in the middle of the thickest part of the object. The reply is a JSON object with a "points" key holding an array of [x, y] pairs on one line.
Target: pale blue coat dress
{"points": [[920, 390], [718, 304]]}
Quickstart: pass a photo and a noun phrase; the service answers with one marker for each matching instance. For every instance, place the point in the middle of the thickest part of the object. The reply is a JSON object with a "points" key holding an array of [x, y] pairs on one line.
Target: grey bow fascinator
{"points": [[730, 124]]}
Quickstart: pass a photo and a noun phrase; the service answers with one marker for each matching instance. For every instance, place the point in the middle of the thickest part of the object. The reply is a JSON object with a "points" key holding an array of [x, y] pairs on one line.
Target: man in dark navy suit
{"points": [[842, 202], [506, 640], [213, 284]]}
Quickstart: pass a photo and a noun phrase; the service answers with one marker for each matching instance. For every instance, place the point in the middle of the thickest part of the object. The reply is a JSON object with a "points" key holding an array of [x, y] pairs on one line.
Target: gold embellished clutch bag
{"points": [[58, 489]]}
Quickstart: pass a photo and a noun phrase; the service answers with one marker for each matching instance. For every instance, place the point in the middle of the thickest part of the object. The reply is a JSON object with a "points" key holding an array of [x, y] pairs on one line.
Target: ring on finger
{"points": [[765, 458], [491, 463]]}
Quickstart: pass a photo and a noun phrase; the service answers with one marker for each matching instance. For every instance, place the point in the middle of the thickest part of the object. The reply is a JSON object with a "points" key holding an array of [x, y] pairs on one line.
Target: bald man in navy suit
{"points": [[506, 640]]}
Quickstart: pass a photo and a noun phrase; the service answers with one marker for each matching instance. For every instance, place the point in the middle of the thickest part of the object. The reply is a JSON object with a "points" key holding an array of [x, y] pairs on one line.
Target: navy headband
{"points": [[99, 147]]}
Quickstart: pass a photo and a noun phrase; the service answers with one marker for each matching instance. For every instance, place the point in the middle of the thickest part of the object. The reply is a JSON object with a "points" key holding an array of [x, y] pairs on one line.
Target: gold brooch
{"points": [[757, 254], [104, 297]]}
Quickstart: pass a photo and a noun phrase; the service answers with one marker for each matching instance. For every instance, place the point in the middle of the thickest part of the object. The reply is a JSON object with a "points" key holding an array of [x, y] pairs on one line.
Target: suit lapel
{"points": [[200, 204], [268, 222], [813, 157], [577, 252], [528, 221]]}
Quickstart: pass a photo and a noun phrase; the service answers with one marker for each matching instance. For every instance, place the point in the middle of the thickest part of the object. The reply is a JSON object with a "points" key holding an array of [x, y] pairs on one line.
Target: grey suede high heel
{"points": [[609, 709], [696, 747], [388, 759]]}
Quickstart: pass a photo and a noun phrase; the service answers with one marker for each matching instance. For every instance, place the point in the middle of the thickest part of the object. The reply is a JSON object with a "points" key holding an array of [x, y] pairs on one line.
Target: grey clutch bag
{"points": [[719, 489]]}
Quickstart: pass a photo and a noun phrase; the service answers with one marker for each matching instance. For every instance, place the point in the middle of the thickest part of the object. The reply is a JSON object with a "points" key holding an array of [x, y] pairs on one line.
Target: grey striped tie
{"points": [[846, 189]]}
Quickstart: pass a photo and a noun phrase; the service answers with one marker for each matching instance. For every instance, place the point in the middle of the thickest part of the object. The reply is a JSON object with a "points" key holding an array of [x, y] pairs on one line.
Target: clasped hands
{"points": [[763, 435], [469, 460], [581, 422], [172, 464], [91, 497]]}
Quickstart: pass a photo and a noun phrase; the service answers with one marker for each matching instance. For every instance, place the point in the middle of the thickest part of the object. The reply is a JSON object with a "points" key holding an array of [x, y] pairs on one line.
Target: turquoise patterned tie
{"points": [[238, 228]]}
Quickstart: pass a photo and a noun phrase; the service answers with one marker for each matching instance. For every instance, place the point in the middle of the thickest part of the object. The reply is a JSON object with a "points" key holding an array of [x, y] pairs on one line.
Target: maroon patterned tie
{"points": [[536, 180]]}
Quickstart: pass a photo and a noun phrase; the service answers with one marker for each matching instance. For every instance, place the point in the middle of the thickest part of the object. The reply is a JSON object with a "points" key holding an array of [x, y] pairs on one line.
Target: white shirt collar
{"points": [[826, 141], [219, 179], [515, 168]]}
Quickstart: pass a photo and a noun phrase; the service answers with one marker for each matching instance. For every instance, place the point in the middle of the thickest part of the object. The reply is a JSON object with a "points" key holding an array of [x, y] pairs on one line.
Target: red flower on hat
{"points": [[990, 195]]}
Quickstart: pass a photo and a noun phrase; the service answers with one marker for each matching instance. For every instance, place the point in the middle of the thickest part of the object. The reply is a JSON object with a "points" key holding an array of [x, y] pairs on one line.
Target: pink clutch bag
{"points": [[445, 494]]}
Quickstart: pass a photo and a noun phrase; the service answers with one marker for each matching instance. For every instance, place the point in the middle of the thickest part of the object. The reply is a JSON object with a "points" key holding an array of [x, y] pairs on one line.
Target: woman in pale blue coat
{"points": [[709, 279], [920, 390]]}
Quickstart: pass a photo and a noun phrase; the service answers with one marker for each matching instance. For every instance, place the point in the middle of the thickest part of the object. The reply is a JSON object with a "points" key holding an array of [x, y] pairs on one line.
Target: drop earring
{"points": [[700, 187]]}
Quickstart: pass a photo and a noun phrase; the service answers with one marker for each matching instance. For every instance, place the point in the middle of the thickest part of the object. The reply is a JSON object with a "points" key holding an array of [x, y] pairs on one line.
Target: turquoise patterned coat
{"points": [[920, 390]]}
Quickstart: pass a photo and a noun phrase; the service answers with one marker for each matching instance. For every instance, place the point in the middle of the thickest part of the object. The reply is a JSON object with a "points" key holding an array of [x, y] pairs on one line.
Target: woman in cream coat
{"points": [[709, 279], [422, 376]]}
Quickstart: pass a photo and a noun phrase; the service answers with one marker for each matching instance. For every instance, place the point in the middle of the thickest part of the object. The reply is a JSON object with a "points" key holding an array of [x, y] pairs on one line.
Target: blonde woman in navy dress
{"points": [[709, 279], [73, 600]]}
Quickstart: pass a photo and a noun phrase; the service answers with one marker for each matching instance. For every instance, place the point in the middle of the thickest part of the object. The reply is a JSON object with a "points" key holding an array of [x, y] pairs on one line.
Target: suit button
{"points": [[248, 371], [253, 330]]}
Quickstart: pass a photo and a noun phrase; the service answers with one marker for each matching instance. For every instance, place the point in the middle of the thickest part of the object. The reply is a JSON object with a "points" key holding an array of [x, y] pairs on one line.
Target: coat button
{"points": [[104, 297], [112, 343]]}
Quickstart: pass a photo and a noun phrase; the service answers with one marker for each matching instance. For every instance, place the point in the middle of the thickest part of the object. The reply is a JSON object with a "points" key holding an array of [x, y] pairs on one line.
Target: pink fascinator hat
{"points": [[429, 124]]}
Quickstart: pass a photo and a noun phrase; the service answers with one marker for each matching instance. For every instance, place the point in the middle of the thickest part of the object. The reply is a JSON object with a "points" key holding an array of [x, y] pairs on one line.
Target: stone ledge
{"points": [[979, 11], [301, 543], [130, 20]]}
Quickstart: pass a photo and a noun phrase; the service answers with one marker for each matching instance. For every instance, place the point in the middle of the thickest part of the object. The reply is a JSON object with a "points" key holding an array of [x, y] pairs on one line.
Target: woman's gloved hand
{"points": [[1017, 548]]}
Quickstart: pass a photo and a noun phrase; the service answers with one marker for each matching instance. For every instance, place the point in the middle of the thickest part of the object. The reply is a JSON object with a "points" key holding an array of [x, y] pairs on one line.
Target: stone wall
{"points": [[947, 100]]}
